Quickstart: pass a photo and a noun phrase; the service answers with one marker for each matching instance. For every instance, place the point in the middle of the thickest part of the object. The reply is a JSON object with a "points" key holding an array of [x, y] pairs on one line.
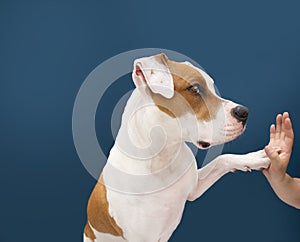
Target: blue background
{"points": [[47, 48]]}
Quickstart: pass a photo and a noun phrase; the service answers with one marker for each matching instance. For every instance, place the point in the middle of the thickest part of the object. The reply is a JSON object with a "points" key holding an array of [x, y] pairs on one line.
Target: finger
{"points": [[272, 154], [272, 134], [289, 133], [288, 128], [278, 126], [285, 115]]}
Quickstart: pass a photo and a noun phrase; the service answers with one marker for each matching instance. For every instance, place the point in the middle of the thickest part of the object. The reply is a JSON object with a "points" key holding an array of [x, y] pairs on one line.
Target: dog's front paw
{"points": [[252, 161], [257, 160]]}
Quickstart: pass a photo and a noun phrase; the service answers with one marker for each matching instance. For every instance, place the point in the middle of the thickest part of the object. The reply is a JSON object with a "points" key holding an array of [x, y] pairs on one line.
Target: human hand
{"points": [[279, 148]]}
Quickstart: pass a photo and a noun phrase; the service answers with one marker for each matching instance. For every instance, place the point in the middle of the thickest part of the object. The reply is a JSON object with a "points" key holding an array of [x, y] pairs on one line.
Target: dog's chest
{"points": [[155, 213]]}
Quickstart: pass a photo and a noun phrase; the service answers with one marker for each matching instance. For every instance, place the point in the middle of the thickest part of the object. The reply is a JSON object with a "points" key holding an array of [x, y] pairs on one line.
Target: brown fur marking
{"points": [[98, 214], [204, 106], [89, 232]]}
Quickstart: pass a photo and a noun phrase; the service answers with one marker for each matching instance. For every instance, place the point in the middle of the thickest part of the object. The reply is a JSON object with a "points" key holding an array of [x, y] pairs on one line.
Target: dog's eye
{"points": [[195, 89]]}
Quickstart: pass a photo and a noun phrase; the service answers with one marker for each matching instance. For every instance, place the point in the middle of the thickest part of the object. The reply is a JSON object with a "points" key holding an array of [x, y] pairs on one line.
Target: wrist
{"points": [[279, 178]]}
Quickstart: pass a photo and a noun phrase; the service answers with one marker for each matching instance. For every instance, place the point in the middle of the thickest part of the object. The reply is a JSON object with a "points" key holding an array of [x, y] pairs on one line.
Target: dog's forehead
{"points": [[201, 71], [183, 72], [190, 73]]}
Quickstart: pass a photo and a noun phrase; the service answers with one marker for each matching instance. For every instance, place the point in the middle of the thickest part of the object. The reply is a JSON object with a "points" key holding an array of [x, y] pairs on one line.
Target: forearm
{"points": [[287, 189]]}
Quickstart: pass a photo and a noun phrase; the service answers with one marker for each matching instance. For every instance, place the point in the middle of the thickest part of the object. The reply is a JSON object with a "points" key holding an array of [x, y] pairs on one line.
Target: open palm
{"points": [[280, 145]]}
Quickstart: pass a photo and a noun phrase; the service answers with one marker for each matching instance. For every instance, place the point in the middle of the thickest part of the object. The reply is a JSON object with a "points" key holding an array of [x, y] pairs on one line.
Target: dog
{"points": [[151, 172]]}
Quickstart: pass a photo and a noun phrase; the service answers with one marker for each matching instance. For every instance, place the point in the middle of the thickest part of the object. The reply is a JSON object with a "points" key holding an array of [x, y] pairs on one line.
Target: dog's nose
{"points": [[240, 113]]}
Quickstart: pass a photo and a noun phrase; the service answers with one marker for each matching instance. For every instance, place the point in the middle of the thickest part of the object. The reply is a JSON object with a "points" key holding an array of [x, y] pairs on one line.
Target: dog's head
{"points": [[184, 92]]}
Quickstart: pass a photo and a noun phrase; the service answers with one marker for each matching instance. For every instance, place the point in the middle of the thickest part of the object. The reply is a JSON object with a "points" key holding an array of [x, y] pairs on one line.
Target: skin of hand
{"points": [[280, 147], [279, 151]]}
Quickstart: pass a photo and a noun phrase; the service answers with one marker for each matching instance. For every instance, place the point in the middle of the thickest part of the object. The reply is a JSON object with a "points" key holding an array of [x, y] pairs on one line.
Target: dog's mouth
{"points": [[203, 145], [225, 135]]}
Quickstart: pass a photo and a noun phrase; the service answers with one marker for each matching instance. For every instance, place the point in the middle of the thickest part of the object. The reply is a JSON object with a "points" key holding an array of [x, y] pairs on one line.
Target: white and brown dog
{"points": [[151, 172]]}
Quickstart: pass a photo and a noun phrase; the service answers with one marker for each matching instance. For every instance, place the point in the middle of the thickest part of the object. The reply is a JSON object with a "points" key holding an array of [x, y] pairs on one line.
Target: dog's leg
{"points": [[223, 164]]}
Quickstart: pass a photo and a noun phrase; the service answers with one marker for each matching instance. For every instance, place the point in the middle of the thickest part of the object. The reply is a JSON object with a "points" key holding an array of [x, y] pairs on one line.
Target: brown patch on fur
{"points": [[89, 232], [204, 106], [98, 214]]}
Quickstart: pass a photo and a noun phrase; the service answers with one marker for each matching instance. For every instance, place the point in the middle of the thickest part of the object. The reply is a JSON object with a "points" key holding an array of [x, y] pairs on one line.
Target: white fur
{"points": [[156, 74], [153, 215]]}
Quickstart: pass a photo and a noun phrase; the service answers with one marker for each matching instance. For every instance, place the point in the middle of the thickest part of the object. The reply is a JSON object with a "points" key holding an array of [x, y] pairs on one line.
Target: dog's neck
{"points": [[149, 153], [147, 136]]}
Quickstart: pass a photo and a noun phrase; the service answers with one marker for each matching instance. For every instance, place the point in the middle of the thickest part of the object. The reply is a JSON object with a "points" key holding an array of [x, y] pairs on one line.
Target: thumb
{"points": [[272, 154]]}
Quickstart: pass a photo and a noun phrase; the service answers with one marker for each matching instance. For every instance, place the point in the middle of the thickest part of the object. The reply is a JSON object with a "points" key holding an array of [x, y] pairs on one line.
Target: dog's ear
{"points": [[154, 72]]}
